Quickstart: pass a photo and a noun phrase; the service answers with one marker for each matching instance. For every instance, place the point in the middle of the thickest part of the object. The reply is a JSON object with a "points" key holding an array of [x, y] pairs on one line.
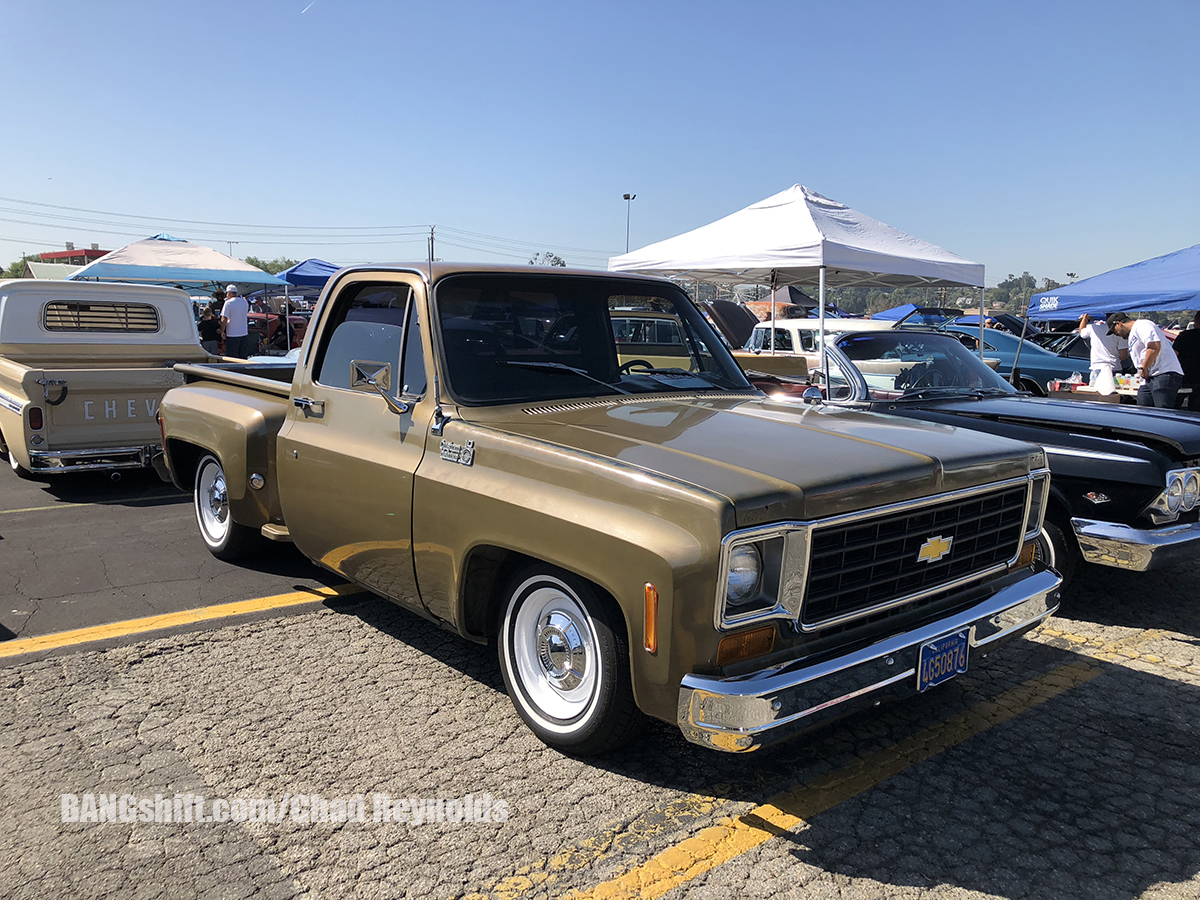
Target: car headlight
{"points": [[1175, 494], [745, 574], [1191, 490]]}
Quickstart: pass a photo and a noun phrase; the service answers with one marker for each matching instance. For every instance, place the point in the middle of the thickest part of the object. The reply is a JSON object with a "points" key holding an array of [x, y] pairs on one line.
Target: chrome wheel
{"points": [[1043, 549], [553, 645], [212, 502], [565, 660]]}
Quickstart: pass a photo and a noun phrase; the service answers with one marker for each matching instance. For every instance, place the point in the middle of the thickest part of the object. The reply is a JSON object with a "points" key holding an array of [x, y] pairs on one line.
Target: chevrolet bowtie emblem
{"points": [[934, 549]]}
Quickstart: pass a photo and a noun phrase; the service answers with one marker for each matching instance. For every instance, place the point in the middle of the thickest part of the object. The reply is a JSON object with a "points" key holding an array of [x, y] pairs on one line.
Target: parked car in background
{"points": [[1125, 490], [270, 335], [83, 368], [801, 337]]}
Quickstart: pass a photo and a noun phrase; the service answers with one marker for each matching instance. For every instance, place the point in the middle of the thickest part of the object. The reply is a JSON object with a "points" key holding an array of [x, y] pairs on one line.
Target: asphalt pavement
{"points": [[1064, 766]]}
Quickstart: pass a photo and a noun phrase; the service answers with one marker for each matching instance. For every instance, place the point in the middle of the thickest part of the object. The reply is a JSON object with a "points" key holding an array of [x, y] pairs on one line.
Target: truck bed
{"points": [[267, 377]]}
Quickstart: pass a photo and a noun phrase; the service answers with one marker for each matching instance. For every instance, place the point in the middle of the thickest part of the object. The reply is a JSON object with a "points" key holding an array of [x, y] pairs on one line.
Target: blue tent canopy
{"points": [[896, 313], [312, 273], [1163, 284]]}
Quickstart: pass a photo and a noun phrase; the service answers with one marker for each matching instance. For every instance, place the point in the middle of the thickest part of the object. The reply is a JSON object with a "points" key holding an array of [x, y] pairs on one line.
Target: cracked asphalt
{"points": [[1065, 766]]}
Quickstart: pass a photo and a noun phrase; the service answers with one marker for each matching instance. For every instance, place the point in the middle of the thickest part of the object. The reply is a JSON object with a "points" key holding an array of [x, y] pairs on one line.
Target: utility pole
{"points": [[431, 227], [629, 198], [231, 243]]}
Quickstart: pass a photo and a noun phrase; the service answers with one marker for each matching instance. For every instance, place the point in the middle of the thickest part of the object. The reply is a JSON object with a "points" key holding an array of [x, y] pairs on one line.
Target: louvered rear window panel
{"points": [[73, 315]]}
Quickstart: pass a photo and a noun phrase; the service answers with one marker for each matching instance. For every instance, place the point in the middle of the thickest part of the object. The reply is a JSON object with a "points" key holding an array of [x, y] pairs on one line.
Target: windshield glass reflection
{"points": [[903, 364]]}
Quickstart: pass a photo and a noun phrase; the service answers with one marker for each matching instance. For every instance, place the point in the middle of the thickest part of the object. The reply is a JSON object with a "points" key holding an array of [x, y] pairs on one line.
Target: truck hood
{"points": [[772, 460], [1180, 431]]}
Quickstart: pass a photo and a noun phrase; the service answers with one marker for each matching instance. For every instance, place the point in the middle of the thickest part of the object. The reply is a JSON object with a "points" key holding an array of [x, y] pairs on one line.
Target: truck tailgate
{"points": [[102, 407]]}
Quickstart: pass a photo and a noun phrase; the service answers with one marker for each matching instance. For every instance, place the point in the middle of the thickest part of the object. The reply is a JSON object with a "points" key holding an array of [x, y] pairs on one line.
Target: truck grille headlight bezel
{"points": [[785, 549], [1181, 494]]}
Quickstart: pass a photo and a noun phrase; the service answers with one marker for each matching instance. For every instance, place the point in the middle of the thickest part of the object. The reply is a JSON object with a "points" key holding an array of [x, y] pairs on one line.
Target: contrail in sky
{"points": [[307, 8]]}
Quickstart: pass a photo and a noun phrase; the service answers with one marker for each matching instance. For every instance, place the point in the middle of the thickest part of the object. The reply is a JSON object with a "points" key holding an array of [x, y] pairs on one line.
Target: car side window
{"points": [[368, 332], [783, 339], [808, 341]]}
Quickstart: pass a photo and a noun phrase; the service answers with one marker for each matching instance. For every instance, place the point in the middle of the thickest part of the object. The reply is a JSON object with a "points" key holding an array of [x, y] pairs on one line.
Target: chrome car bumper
{"points": [[100, 459], [750, 711], [1137, 549]]}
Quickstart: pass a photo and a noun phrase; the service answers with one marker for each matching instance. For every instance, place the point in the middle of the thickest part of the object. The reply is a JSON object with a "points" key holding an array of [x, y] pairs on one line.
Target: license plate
{"points": [[941, 660]]}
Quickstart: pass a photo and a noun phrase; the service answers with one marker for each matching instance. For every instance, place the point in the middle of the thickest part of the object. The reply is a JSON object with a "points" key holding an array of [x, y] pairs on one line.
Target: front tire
{"points": [[225, 538], [565, 661], [1057, 550]]}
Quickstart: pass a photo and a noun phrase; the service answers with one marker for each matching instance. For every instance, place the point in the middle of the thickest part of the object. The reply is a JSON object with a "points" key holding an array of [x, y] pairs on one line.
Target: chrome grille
{"points": [[871, 564], [72, 315]]}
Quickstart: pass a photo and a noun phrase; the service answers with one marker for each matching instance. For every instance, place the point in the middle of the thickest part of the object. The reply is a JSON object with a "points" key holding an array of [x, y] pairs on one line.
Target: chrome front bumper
{"points": [[750, 711], [100, 459], [1137, 549]]}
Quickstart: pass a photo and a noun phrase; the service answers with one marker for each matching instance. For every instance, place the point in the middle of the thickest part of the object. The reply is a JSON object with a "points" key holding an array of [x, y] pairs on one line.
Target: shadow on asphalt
{"points": [[1095, 793], [135, 488], [1162, 598]]}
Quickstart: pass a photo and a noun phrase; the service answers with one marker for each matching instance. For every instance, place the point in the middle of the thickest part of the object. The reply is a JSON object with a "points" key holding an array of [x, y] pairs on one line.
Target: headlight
{"points": [[745, 574], [1175, 495], [1191, 490]]}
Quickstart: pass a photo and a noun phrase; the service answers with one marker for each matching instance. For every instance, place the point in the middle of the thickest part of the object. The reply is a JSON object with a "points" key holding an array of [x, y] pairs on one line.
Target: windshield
{"points": [[520, 338], [896, 364]]}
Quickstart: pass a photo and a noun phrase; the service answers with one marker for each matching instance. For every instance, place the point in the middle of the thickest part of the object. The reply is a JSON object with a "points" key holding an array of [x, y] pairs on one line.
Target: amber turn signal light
{"points": [[746, 645], [650, 632], [1026, 557]]}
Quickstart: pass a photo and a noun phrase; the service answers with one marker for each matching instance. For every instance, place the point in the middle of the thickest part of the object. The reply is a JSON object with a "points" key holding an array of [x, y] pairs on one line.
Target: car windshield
{"points": [[519, 338], [899, 364]]}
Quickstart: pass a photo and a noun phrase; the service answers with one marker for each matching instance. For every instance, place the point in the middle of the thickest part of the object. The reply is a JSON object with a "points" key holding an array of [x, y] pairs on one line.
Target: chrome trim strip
{"points": [[1135, 549], [50, 462], [789, 607], [1092, 454], [12, 404], [745, 712]]}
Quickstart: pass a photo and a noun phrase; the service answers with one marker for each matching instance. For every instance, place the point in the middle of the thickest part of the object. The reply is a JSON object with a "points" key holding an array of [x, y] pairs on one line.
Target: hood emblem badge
{"points": [[463, 454], [934, 549]]}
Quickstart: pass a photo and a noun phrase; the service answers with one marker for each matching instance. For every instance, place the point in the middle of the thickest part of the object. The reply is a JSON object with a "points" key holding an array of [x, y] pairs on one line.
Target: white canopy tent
{"points": [[800, 237]]}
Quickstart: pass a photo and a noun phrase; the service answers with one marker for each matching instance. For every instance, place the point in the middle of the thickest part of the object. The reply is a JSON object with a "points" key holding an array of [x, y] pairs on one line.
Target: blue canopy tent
{"points": [[1163, 284], [896, 313], [164, 259], [312, 273]]}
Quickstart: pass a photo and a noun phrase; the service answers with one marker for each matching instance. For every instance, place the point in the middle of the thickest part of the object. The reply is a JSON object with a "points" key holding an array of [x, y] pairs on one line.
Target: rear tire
{"points": [[20, 470], [1055, 548], [565, 661], [225, 538]]}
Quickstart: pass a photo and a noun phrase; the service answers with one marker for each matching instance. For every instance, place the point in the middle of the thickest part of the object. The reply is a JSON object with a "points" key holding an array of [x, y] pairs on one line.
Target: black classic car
{"points": [[1125, 481]]}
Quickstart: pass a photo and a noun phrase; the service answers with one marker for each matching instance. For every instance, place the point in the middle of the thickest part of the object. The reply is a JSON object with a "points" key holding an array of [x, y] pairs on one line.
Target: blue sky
{"points": [[1040, 136]]}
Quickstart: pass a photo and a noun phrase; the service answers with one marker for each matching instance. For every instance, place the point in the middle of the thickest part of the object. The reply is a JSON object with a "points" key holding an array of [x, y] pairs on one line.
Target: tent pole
{"points": [[773, 278], [821, 296], [981, 289]]}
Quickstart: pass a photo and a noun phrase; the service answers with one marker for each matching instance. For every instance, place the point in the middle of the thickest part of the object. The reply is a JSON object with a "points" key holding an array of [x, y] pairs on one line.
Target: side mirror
{"points": [[812, 395]]}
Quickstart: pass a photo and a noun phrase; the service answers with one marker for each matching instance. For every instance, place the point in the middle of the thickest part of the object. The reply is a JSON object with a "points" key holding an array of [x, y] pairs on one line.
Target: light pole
{"points": [[629, 198]]}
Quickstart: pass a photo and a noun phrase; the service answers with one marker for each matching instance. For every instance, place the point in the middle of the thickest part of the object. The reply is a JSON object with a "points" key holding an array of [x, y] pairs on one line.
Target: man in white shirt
{"points": [[1154, 357], [1105, 348], [234, 324]]}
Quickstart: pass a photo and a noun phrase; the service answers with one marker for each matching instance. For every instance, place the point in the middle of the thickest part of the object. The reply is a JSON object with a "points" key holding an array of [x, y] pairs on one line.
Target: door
{"points": [[346, 456]]}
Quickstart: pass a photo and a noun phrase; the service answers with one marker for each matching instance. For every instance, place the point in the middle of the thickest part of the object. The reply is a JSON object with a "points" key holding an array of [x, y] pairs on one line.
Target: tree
{"points": [[274, 266], [547, 259], [17, 269]]}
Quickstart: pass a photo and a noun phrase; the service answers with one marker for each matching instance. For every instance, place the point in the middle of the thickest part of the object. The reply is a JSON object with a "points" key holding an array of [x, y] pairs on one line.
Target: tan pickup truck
{"points": [[490, 448], [83, 368]]}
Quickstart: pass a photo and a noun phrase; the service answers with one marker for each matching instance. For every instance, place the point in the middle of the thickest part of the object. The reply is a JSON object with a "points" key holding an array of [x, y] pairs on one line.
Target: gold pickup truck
{"points": [[83, 367], [492, 449]]}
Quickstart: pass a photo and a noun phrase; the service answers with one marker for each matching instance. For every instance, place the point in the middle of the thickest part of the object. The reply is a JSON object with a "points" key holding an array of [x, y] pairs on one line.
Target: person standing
{"points": [[235, 326], [1105, 348], [1156, 361], [209, 327], [1187, 348]]}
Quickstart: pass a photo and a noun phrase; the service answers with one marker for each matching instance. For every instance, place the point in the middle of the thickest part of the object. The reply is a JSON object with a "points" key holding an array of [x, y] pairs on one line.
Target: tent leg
{"points": [[981, 290], [821, 296], [773, 280]]}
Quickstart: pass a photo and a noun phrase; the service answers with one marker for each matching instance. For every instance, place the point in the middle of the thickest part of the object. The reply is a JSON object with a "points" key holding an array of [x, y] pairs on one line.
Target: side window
{"points": [[370, 324], [808, 341], [757, 339], [783, 339], [414, 357]]}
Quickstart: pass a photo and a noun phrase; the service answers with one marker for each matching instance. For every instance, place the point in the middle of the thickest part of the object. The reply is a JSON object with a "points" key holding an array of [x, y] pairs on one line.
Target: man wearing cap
{"points": [[235, 324], [1106, 348], [1154, 357]]}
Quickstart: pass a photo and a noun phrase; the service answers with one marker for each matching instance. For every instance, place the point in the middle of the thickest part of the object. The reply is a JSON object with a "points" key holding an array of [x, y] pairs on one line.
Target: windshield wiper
{"points": [[559, 367]]}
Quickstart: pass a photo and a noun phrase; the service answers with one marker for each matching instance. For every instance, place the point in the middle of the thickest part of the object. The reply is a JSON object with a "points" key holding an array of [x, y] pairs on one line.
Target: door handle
{"points": [[309, 405]]}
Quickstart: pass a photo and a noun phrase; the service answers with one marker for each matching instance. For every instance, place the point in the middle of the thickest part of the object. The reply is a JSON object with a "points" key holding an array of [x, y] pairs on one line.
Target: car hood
{"points": [[773, 460], [1178, 430]]}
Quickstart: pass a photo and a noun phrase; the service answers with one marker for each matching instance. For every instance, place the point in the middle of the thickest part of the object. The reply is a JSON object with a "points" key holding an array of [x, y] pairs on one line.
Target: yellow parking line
{"points": [[69, 505], [731, 838], [169, 620], [9, 512]]}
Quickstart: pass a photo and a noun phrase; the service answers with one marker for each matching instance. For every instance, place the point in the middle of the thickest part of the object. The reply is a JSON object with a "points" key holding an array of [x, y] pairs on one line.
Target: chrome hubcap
{"points": [[218, 499], [561, 650]]}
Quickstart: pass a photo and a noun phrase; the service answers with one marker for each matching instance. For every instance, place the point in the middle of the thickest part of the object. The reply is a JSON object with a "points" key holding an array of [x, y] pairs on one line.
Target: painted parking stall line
{"points": [[170, 620]]}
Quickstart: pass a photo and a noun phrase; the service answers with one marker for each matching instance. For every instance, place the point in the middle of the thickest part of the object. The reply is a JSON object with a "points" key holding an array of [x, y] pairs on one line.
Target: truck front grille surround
{"points": [[854, 566]]}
